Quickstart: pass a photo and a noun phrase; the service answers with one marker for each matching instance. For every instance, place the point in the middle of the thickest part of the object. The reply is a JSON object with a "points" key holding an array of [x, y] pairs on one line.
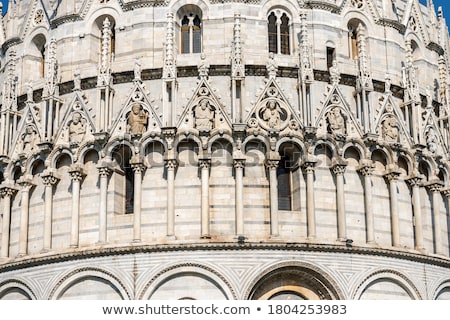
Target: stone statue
{"points": [[77, 128], [336, 121], [335, 74], [29, 139], [390, 129], [204, 115], [137, 120], [271, 113], [76, 80], [29, 92], [272, 66], [137, 69], [431, 140], [203, 67]]}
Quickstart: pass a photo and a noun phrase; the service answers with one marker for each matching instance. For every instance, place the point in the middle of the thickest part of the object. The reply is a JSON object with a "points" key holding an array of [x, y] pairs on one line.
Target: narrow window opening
{"points": [[273, 44]]}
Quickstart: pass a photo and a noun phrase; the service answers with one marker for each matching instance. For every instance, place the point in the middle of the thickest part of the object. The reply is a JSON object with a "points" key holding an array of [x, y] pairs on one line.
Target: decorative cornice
{"points": [[66, 255], [65, 19]]}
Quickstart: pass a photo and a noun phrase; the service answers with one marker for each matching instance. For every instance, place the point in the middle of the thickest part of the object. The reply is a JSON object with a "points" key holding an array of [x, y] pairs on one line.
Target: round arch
{"points": [[192, 270], [389, 276], [17, 287], [308, 281], [79, 275]]}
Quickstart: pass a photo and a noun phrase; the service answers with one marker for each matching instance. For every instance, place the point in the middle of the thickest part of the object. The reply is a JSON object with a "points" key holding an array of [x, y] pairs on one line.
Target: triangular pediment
{"points": [[414, 21], [204, 112], [29, 134], [77, 125], [138, 116], [362, 5], [36, 17], [272, 112], [389, 123], [335, 116], [431, 135]]}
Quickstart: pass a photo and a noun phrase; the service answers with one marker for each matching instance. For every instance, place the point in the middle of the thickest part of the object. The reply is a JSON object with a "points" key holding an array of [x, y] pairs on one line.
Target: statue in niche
{"points": [[390, 129], [336, 121], [137, 120], [431, 140], [29, 139], [77, 128], [204, 115], [271, 113]]}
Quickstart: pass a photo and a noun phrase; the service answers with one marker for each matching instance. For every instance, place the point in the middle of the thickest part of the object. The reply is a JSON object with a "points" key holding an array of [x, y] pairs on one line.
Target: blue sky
{"points": [[445, 4]]}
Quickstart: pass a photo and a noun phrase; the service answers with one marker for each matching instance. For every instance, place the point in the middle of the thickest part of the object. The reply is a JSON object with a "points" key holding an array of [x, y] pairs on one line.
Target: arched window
{"points": [[288, 177], [190, 19], [278, 29], [122, 156], [39, 52]]}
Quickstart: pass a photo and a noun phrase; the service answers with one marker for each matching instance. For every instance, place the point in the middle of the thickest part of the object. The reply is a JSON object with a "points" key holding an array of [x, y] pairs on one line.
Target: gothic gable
{"points": [[389, 124], [138, 116], [414, 21], [335, 117], [363, 5], [29, 134], [204, 112], [272, 112], [36, 17], [431, 135], [77, 125]]}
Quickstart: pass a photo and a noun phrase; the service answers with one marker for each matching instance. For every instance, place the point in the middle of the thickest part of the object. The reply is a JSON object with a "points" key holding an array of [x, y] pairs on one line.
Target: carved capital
{"points": [[138, 167], [171, 164], [76, 172], [415, 181], [339, 169], [446, 192], [239, 163], [272, 164], [435, 185], [26, 182], [50, 177], [204, 163], [366, 168], [309, 165], [7, 191], [104, 171]]}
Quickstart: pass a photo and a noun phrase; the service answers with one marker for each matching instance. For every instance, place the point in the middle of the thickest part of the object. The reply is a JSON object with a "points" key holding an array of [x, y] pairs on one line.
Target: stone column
{"points": [[49, 179], [104, 172], [391, 177], [415, 183], [366, 169], [26, 184], [339, 170], [171, 165], [138, 167], [308, 167], [205, 164], [7, 192], [239, 165], [435, 188], [77, 175], [272, 165]]}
